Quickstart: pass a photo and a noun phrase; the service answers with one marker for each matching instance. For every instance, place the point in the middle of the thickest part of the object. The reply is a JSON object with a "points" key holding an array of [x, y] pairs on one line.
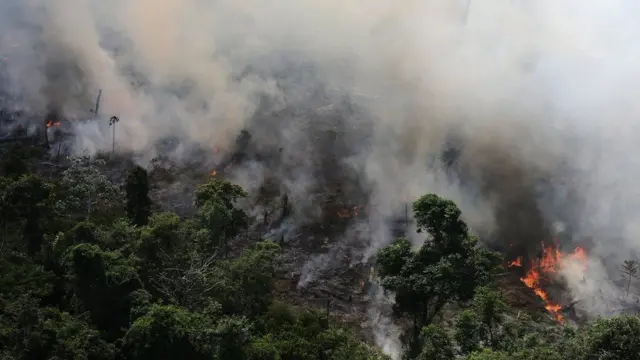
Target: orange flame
{"points": [[348, 213], [516, 263], [551, 263], [214, 172], [52, 123]]}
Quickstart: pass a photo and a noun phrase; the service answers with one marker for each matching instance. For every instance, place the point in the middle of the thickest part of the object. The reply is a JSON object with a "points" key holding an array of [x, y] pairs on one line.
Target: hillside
{"points": [[94, 267]]}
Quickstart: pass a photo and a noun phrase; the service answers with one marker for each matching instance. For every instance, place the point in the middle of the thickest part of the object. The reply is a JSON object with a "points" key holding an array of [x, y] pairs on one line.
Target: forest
{"points": [[89, 270]]}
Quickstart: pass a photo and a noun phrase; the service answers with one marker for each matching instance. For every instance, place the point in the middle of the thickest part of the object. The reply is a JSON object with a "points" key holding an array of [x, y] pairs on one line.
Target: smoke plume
{"points": [[531, 103]]}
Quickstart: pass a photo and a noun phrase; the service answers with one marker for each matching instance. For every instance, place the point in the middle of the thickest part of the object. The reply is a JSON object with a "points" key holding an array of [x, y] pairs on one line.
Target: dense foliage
{"points": [[451, 270], [88, 271]]}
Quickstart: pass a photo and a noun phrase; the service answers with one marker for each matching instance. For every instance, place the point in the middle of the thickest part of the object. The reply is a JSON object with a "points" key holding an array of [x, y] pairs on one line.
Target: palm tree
{"points": [[112, 122]]}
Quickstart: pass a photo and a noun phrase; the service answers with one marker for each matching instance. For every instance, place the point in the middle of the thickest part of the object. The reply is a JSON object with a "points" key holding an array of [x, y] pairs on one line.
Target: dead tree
{"points": [[629, 269], [97, 108]]}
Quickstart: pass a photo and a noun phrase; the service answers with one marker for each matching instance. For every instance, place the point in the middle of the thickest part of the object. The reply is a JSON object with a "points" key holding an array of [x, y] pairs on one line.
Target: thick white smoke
{"points": [[531, 89]]}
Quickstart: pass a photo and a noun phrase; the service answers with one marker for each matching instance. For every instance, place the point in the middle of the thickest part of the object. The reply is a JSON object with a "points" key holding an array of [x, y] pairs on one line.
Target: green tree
{"points": [[138, 202], [21, 276], [25, 201], [172, 263], [169, 332], [28, 331], [16, 162], [436, 344], [15, 166], [103, 281], [216, 202], [490, 307], [537, 353], [248, 287], [487, 354], [616, 338], [448, 267], [285, 335], [88, 190], [467, 328]]}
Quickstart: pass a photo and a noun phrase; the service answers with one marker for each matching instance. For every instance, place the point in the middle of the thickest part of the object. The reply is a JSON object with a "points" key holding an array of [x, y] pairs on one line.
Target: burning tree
{"points": [[541, 271]]}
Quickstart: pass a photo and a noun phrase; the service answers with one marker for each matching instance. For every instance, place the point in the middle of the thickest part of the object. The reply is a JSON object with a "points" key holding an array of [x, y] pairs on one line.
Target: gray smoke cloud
{"points": [[536, 98]]}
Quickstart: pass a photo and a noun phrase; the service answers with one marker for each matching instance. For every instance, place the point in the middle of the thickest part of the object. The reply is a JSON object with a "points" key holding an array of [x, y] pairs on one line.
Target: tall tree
{"points": [[630, 270], [26, 201], [217, 211], [448, 267], [138, 201], [490, 307], [87, 190]]}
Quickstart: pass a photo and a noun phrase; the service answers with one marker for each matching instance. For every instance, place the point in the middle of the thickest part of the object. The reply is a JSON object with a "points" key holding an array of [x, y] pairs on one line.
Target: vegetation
{"points": [[451, 270], [88, 271]]}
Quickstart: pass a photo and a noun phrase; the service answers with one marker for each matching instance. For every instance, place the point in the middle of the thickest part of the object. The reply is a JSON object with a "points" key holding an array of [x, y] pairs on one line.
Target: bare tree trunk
{"points": [[89, 201]]}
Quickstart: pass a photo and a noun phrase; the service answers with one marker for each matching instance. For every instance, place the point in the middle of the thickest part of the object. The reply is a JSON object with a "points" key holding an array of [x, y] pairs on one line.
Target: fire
{"points": [[215, 172], [348, 213], [516, 263], [52, 123], [551, 263]]}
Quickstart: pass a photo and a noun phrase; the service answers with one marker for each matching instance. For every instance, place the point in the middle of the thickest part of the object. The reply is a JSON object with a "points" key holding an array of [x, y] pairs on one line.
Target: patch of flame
{"points": [[551, 263], [516, 263], [214, 172], [348, 213], [52, 123]]}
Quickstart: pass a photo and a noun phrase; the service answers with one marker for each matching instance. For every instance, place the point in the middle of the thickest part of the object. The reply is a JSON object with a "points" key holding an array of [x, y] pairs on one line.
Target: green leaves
{"points": [[88, 190], [441, 219], [78, 280], [437, 345], [169, 332], [305, 336], [216, 201], [608, 339], [467, 329], [24, 203], [103, 281], [448, 267], [31, 332], [248, 289]]}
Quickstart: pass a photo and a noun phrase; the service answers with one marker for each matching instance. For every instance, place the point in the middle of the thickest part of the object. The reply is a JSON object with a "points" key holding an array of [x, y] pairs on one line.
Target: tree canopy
{"points": [[89, 271]]}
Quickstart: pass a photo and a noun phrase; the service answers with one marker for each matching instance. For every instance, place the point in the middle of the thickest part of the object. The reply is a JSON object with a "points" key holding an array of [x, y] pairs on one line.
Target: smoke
{"points": [[536, 99]]}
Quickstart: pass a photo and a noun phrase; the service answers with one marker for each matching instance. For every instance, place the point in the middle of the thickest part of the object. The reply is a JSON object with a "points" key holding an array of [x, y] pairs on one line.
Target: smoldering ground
{"points": [[537, 96]]}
